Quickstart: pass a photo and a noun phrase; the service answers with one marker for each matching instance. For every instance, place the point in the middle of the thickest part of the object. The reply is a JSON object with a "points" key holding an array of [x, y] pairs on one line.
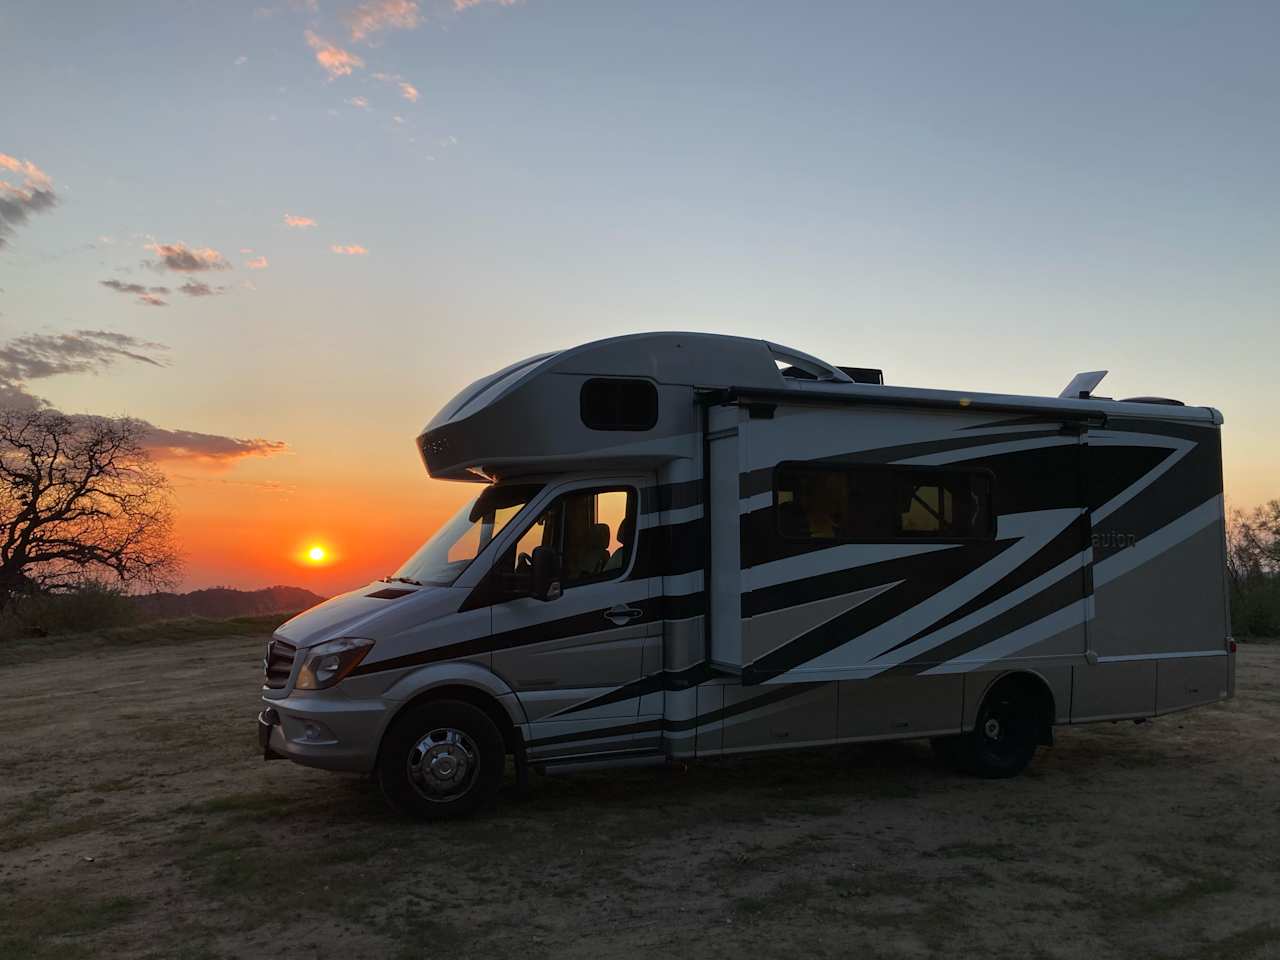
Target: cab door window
{"points": [[592, 530], [598, 529]]}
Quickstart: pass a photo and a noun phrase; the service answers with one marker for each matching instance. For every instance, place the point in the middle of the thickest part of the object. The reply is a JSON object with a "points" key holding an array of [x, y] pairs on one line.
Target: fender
{"points": [[981, 682], [457, 673]]}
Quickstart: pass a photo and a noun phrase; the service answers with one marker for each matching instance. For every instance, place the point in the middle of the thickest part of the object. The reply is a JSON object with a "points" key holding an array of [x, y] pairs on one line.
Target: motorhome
{"points": [[684, 546]]}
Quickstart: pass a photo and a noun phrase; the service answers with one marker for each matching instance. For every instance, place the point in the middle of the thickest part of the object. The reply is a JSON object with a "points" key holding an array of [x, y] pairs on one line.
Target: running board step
{"points": [[601, 762]]}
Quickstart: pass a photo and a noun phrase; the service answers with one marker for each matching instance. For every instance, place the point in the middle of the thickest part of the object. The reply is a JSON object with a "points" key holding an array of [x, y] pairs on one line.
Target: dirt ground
{"points": [[137, 819]]}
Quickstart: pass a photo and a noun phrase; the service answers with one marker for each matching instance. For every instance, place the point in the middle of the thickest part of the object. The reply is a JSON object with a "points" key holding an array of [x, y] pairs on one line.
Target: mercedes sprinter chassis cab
{"points": [[684, 545]]}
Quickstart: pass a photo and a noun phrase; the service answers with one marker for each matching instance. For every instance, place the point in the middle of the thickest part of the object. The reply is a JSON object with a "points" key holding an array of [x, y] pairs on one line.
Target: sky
{"points": [[284, 234]]}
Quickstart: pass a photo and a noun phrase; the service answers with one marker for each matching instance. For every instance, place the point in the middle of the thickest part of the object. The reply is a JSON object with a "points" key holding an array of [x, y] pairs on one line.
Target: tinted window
{"points": [[619, 404], [822, 502], [943, 503]]}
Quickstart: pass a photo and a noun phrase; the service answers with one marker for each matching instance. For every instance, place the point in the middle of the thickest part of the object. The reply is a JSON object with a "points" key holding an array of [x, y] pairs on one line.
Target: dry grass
{"points": [[139, 751]]}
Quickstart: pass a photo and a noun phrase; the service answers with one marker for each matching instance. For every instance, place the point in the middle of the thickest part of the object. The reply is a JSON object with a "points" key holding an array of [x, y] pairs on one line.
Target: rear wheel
{"points": [[1004, 737], [441, 759]]}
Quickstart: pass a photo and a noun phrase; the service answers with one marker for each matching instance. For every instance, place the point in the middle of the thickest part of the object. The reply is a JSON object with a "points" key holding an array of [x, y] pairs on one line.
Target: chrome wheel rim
{"points": [[443, 765]]}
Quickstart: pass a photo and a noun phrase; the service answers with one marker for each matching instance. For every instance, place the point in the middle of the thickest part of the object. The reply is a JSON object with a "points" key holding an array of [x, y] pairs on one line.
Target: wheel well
{"points": [[476, 697], [1034, 686]]}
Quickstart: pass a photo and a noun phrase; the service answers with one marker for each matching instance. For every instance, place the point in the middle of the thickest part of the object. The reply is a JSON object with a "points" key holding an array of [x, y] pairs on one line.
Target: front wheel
{"points": [[441, 759], [1004, 738]]}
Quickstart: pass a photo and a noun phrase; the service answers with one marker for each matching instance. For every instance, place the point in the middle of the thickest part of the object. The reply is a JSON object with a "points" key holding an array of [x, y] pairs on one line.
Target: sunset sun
{"points": [[317, 554]]}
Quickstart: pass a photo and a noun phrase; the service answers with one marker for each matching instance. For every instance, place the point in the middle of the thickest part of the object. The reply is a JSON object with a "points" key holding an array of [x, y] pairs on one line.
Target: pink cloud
{"points": [[257, 263], [31, 174], [293, 221], [350, 250], [336, 61], [360, 103], [207, 447], [407, 89], [17, 204], [373, 16], [151, 300], [460, 5], [178, 256]]}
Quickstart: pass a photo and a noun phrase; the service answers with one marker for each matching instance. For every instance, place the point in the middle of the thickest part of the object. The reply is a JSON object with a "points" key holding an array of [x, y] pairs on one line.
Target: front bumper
{"points": [[329, 732]]}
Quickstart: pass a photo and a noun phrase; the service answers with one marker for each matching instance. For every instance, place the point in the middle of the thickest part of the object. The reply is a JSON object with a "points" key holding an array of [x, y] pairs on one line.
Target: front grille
{"points": [[278, 663]]}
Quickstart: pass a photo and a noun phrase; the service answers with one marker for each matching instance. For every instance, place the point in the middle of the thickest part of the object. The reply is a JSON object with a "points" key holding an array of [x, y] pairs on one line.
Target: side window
{"points": [[944, 503], [837, 503], [928, 507], [592, 530], [832, 503]]}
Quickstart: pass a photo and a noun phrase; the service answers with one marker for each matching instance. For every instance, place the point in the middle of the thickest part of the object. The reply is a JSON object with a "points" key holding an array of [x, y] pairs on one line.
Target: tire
{"points": [[1005, 734], [441, 759]]}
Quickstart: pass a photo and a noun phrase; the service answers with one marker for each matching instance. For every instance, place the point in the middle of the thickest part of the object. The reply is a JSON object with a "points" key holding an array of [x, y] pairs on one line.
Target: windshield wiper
{"points": [[411, 582]]}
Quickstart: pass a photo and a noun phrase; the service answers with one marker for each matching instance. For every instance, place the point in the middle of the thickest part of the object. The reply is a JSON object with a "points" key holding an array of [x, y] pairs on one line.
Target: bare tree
{"points": [[1253, 544], [80, 499]]}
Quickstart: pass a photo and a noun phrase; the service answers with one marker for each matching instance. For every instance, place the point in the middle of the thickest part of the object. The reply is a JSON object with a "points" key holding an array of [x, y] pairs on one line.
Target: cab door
{"points": [[569, 658]]}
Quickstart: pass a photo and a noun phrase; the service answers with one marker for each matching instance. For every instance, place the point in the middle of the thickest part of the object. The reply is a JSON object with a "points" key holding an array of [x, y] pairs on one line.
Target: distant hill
{"points": [[222, 602]]}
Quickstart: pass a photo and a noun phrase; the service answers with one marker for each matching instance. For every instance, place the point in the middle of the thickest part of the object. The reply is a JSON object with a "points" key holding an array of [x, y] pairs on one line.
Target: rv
{"points": [[684, 546]]}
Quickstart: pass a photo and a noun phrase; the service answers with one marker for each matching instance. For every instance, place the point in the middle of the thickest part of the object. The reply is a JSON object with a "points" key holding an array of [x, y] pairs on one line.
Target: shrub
{"points": [[90, 605], [1255, 607]]}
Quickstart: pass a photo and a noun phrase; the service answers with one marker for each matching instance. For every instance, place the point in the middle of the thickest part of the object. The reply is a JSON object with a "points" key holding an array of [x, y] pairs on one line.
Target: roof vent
{"points": [[1166, 401], [1082, 385], [865, 374]]}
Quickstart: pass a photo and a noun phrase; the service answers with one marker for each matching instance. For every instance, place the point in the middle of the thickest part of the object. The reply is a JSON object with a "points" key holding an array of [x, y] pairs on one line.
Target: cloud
{"points": [[292, 221], [460, 5], [18, 203], [336, 61], [359, 102], [407, 89], [266, 486], [258, 263], [38, 356], [241, 61], [120, 287], [146, 295], [374, 16], [198, 288], [350, 250], [178, 256], [208, 447]]}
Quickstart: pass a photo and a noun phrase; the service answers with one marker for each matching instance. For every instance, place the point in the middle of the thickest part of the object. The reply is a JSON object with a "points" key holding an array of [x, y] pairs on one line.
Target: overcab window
{"points": [[615, 404], [858, 503]]}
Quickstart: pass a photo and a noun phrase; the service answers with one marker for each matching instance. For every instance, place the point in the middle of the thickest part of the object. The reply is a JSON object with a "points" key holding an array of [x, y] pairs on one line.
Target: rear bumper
{"points": [[329, 733]]}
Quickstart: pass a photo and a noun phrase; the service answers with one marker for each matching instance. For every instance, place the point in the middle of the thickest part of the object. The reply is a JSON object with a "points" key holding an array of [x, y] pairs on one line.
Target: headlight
{"points": [[328, 663]]}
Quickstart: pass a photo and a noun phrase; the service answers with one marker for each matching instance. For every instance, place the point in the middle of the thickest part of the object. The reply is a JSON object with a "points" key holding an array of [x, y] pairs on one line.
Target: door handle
{"points": [[620, 614]]}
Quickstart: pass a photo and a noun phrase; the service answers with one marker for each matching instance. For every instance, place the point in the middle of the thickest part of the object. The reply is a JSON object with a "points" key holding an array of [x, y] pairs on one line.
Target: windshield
{"points": [[441, 560]]}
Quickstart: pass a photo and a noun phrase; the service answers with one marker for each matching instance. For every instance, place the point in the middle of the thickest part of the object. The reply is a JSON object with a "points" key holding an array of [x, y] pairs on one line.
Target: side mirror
{"points": [[545, 579]]}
